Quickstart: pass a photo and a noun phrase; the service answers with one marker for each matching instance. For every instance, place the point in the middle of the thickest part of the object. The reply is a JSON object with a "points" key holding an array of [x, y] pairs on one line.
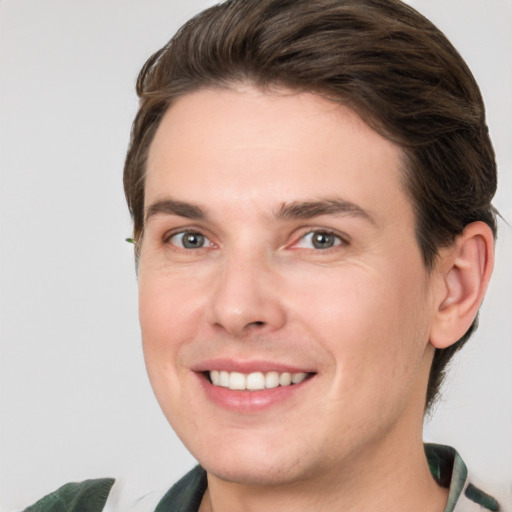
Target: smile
{"points": [[254, 381]]}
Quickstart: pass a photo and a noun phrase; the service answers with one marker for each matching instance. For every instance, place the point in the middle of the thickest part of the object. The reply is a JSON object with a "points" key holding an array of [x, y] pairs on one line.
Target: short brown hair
{"points": [[381, 58]]}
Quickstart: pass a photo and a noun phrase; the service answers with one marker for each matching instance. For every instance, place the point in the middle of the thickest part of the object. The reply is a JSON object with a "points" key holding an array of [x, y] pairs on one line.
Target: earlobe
{"points": [[465, 268]]}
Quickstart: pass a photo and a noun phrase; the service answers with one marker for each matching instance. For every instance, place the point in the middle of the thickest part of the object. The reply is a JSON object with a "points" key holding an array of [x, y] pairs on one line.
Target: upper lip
{"points": [[250, 366]]}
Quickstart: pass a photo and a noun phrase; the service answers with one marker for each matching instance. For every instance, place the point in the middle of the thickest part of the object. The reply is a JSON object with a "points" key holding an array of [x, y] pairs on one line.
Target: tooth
{"points": [[214, 377], [255, 381], [236, 380], [224, 379], [298, 377], [285, 379], [272, 380]]}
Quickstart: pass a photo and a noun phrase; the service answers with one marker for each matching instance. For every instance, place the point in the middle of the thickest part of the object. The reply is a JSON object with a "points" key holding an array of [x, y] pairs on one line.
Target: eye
{"points": [[319, 240], [189, 240]]}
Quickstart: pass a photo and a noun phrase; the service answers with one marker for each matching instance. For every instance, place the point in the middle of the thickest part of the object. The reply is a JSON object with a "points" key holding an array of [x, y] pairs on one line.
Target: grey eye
{"points": [[319, 240], [189, 240]]}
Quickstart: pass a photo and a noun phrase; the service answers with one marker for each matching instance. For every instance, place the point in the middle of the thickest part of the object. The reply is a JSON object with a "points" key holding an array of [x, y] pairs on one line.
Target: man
{"points": [[311, 185]]}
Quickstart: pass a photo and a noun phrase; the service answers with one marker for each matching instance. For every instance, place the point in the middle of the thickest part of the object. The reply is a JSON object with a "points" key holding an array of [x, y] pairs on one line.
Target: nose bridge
{"points": [[244, 296]]}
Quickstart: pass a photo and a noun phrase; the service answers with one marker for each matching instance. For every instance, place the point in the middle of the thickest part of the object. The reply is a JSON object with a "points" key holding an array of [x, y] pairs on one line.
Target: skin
{"points": [[358, 315]]}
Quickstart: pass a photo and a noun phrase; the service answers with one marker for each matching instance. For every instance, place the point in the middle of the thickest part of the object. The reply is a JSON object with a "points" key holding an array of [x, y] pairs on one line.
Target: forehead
{"points": [[216, 145]]}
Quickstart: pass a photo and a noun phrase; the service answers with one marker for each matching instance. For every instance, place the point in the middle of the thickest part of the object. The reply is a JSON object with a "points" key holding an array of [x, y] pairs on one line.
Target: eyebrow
{"points": [[328, 206], [173, 207], [287, 211]]}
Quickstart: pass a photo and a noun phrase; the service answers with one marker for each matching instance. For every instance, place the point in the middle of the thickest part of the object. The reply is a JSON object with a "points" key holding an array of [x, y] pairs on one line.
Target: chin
{"points": [[248, 462], [255, 472]]}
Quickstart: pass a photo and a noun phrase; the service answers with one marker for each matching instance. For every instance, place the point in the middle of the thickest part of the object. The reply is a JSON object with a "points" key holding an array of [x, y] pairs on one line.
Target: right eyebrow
{"points": [[173, 207]]}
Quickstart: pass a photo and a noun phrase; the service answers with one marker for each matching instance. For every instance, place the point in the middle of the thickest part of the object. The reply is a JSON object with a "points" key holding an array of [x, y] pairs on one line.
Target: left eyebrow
{"points": [[328, 206]]}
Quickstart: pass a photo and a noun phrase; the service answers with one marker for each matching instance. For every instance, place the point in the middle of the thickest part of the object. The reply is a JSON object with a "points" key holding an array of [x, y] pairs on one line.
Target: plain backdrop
{"points": [[75, 400]]}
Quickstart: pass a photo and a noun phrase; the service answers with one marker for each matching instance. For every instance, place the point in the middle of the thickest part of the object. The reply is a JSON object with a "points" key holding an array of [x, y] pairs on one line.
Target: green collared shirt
{"points": [[449, 470], [445, 464]]}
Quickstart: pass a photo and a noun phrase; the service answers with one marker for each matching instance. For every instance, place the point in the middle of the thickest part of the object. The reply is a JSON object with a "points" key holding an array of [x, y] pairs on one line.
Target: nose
{"points": [[245, 298]]}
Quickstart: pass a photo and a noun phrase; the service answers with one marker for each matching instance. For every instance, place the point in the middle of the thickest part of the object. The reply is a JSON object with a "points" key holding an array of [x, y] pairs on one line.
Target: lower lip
{"points": [[249, 401]]}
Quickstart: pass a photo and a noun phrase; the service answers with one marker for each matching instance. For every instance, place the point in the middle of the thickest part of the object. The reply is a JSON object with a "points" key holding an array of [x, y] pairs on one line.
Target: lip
{"points": [[247, 402], [249, 366]]}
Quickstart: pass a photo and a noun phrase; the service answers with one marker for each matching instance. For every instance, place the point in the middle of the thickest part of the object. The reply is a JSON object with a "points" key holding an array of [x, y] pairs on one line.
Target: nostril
{"points": [[254, 325]]}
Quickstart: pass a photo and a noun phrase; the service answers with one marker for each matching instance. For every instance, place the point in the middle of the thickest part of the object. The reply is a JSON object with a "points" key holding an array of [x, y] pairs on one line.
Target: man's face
{"points": [[279, 244]]}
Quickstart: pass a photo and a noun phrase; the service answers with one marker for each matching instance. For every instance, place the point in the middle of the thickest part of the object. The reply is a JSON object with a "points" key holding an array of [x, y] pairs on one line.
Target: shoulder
{"points": [[449, 470], [101, 495], [86, 496], [186, 494]]}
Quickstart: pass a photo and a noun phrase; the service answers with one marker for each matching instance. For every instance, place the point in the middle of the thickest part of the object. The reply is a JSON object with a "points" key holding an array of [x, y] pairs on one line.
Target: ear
{"points": [[464, 270]]}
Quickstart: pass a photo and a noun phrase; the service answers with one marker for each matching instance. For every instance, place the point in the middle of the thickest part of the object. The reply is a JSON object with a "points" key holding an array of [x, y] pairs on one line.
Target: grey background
{"points": [[75, 400]]}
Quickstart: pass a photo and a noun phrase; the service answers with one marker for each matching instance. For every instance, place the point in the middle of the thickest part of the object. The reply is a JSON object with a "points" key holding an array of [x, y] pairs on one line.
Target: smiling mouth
{"points": [[255, 381]]}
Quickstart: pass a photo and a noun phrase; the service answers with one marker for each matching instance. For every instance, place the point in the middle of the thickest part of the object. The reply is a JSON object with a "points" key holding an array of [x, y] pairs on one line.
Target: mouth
{"points": [[254, 381], [253, 386]]}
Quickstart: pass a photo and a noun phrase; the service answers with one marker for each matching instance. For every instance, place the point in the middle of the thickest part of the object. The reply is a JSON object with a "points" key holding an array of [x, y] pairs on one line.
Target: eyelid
{"points": [[300, 234], [168, 235], [344, 240]]}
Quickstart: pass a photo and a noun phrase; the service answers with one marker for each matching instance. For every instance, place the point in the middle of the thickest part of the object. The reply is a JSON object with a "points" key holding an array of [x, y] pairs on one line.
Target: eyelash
{"points": [[168, 239], [339, 240]]}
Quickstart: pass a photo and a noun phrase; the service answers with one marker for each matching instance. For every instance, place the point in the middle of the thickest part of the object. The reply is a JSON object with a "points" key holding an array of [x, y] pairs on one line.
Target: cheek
{"points": [[168, 318], [168, 308], [167, 321], [374, 323]]}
